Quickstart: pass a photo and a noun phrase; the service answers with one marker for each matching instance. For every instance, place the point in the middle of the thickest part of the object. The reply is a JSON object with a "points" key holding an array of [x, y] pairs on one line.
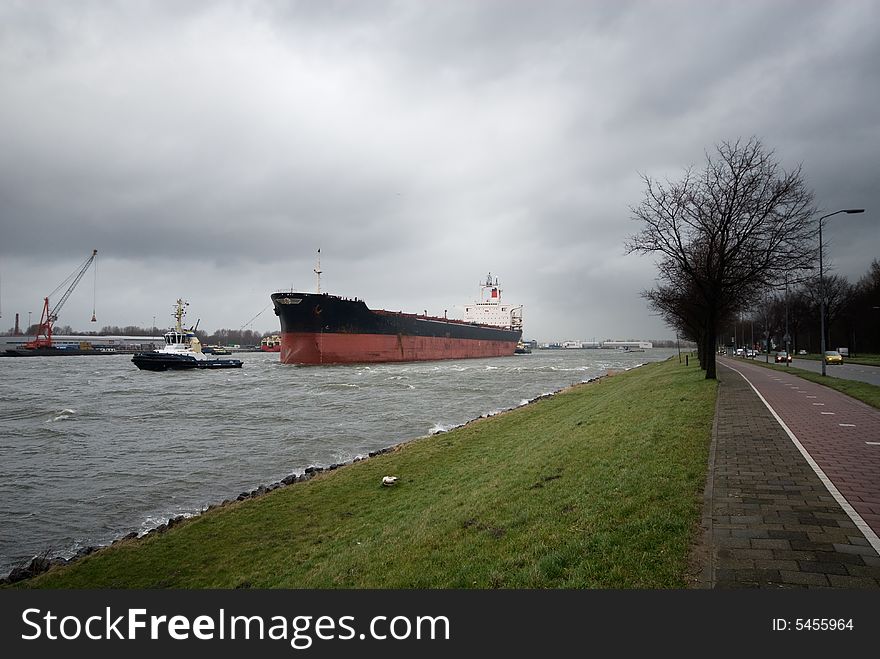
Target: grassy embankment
{"points": [[867, 393], [598, 487]]}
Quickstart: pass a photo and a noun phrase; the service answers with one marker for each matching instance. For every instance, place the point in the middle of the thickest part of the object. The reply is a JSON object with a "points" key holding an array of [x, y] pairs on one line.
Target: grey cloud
{"points": [[418, 144]]}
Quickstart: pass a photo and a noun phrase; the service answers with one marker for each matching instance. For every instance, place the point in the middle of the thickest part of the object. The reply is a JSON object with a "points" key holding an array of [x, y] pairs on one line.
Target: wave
{"points": [[63, 415]]}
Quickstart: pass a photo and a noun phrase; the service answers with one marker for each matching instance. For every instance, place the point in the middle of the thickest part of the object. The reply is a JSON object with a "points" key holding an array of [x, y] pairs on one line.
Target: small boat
{"points": [[271, 343], [522, 349], [216, 350], [182, 350]]}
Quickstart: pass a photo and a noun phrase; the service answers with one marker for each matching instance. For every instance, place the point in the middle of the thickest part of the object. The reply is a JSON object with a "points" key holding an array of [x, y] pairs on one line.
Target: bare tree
{"points": [[839, 295], [729, 231]]}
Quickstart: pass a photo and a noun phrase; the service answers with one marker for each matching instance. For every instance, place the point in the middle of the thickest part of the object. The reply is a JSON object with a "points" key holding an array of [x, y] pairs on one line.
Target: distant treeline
{"points": [[223, 337], [230, 337], [671, 343], [852, 315]]}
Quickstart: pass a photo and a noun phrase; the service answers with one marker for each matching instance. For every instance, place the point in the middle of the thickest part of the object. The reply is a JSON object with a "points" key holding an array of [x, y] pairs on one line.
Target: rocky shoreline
{"points": [[42, 563]]}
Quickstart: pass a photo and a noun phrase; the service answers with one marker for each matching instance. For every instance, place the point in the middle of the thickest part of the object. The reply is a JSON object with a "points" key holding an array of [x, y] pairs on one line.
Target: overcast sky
{"points": [[208, 149]]}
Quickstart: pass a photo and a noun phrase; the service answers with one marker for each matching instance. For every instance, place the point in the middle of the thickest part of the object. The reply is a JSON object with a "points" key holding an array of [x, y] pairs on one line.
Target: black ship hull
{"points": [[326, 329], [157, 361]]}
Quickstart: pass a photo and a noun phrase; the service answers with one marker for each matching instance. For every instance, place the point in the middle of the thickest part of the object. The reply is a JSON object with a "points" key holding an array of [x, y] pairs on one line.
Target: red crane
{"points": [[47, 318]]}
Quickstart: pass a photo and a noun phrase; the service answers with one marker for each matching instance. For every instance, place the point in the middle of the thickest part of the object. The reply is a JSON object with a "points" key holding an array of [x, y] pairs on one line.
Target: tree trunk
{"points": [[709, 339]]}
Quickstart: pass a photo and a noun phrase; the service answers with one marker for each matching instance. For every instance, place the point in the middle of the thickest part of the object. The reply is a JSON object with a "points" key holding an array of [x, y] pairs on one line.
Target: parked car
{"points": [[833, 357], [783, 357], [802, 352]]}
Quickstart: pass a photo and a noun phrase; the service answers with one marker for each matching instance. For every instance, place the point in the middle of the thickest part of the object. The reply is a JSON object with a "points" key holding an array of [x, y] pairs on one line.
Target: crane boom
{"points": [[79, 275], [48, 318]]}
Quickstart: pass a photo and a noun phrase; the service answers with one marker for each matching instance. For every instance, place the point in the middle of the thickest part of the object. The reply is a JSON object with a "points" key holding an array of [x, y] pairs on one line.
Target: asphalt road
{"points": [[869, 374]]}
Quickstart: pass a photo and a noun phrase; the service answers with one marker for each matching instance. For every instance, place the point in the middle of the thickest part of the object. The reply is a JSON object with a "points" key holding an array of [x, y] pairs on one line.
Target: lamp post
{"points": [[849, 211], [787, 336], [752, 335]]}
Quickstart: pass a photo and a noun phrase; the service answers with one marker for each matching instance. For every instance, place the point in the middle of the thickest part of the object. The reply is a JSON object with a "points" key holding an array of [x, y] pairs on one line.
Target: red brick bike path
{"points": [[772, 518], [840, 434]]}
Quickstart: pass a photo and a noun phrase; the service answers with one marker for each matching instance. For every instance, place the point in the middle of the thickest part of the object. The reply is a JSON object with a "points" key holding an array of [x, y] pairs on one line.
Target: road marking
{"points": [[860, 523], [873, 443], [818, 403], [810, 396], [847, 425], [826, 412]]}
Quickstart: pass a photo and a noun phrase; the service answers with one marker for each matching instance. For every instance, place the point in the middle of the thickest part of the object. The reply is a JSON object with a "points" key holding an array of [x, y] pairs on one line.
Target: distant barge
{"points": [[70, 350]]}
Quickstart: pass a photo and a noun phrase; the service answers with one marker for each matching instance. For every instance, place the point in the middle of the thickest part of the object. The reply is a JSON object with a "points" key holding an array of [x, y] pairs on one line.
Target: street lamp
{"points": [[787, 336], [849, 211]]}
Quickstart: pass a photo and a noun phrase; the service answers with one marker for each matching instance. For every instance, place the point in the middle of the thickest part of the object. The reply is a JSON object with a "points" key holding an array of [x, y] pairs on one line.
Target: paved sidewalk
{"points": [[769, 521]]}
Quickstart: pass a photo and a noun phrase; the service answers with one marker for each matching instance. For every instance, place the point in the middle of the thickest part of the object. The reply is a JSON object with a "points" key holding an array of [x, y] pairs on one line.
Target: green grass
{"points": [[597, 487], [867, 393]]}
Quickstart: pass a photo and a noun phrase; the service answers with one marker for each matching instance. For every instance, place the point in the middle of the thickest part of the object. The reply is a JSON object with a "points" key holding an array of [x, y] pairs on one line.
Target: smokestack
{"points": [[17, 330]]}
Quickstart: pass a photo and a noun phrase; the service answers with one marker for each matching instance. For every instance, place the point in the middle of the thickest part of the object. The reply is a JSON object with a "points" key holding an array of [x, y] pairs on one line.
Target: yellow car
{"points": [[833, 357]]}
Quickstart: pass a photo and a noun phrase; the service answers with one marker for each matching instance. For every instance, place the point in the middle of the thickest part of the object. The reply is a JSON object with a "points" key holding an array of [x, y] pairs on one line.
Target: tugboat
{"points": [[182, 350], [522, 349]]}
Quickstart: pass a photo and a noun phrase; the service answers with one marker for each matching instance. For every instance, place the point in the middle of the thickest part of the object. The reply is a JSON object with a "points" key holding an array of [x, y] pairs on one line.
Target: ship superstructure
{"points": [[490, 310]]}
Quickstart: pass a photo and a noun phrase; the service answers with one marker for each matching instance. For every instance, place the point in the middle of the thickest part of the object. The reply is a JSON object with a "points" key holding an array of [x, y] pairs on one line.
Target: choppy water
{"points": [[91, 448]]}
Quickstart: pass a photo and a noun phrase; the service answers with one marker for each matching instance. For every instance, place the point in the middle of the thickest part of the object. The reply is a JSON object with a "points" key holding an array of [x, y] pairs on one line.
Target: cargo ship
{"points": [[318, 328]]}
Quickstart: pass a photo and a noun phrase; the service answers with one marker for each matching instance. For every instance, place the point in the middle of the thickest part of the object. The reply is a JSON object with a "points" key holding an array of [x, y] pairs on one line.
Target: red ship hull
{"points": [[340, 348], [276, 348]]}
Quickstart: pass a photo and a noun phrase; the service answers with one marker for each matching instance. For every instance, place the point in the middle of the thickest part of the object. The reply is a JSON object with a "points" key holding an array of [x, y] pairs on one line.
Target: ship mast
{"points": [[318, 271], [179, 313]]}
